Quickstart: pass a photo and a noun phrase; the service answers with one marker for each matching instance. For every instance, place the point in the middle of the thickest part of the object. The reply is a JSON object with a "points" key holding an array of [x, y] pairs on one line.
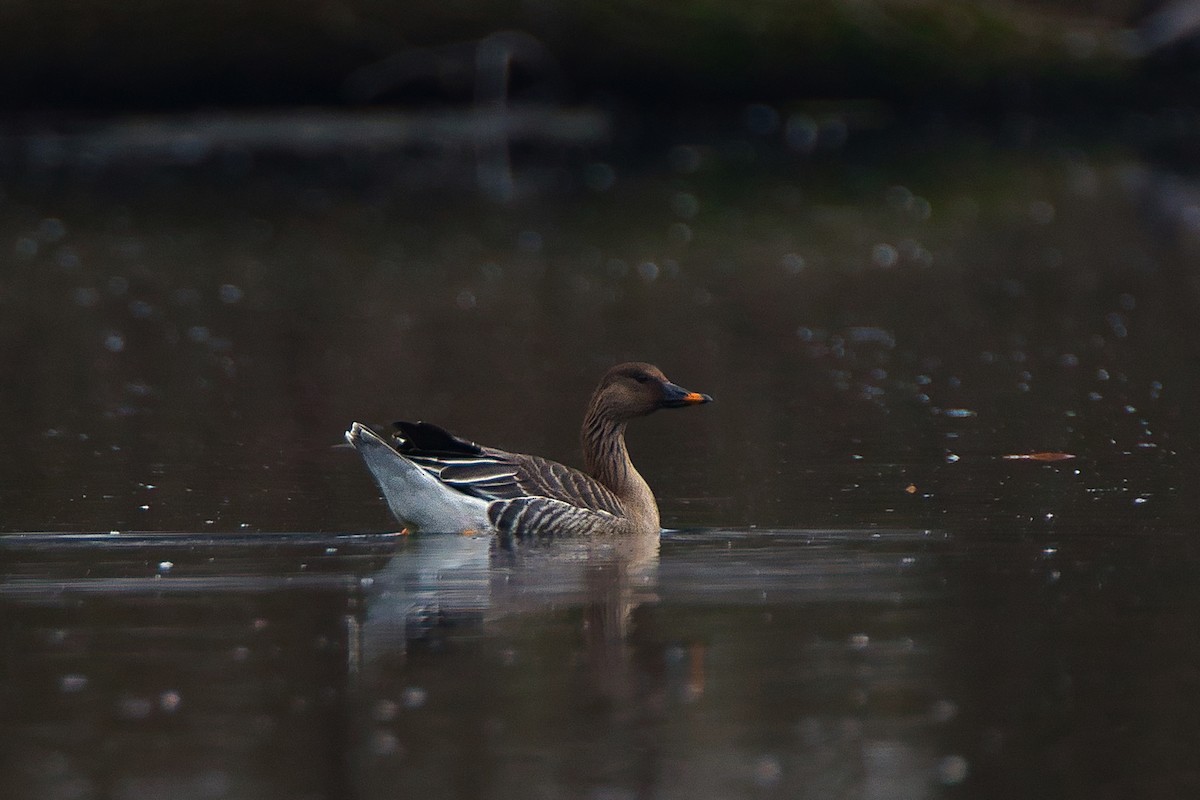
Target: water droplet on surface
{"points": [[648, 271], [67, 259], [792, 263], [73, 682], [229, 294], [465, 300], [801, 132], [165, 566], [51, 230], [169, 701], [861, 334], [884, 256], [413, 697], [491, 271], [952, 770], [114, 342], [26, 247], [385, 710], [384, 743], [685, 205], [1117, 323], [767, 771], [679, 233], [132, 707], [952, 458], [85, 296], [529, 242], [922, 210], [959, 413]]}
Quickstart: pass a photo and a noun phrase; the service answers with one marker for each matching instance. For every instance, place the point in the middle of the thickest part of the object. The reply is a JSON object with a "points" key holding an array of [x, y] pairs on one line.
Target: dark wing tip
{"points": [[425, 437]]}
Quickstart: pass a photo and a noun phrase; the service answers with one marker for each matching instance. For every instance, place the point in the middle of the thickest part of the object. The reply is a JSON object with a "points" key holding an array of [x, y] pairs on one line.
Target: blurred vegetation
{"points": [[942, 55]]}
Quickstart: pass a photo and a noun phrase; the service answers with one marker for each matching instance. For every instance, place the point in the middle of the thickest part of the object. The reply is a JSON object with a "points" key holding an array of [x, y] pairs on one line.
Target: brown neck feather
{"points": [[607, 460], [604, 454]]}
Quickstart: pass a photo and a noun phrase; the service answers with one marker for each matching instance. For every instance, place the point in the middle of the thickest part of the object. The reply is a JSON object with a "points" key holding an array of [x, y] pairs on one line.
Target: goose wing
{"points": [[492, 474], [526, 517]]}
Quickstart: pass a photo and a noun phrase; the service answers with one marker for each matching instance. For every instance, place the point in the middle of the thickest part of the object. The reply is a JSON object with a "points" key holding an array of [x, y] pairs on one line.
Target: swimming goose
{"points": [[434, 481]]}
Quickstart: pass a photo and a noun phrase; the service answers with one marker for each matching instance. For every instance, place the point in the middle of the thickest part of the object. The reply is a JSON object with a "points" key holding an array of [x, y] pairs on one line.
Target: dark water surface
{"points": [[824, 663], [865, 598]]}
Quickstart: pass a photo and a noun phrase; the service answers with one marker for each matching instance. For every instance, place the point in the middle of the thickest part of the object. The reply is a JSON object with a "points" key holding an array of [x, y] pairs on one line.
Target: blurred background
{"points": [[230, 230], [936, 260]]}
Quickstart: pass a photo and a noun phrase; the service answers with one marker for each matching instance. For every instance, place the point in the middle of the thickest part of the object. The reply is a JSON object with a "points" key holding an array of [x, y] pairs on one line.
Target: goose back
{"points": [[497, 475]]}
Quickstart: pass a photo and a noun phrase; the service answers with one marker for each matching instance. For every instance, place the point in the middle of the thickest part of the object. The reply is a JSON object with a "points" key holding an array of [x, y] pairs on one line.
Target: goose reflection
{"points": [[435, 581]]}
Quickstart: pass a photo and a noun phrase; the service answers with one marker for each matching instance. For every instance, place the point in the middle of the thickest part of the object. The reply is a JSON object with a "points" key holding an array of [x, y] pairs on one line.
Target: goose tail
{"points": [[416, 497]]}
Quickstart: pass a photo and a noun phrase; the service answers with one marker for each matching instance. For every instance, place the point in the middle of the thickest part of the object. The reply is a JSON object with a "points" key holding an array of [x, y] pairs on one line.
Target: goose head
{"points": [[636, 389]]}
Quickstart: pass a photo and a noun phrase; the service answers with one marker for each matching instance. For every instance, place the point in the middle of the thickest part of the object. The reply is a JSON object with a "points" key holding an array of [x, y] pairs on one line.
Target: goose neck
{"points": [[605, 456]]}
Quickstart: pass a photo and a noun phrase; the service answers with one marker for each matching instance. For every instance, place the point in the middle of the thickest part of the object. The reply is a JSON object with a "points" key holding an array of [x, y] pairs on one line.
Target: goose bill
{"points": [[678, 397]]}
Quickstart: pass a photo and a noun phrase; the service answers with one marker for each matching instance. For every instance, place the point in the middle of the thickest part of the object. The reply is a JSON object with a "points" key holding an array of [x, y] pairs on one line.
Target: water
{"points": [[934, 538], [796, 663]]}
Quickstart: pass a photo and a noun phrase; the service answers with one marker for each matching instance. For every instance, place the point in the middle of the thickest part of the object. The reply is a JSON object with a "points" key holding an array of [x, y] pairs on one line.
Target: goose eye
{"points": [[642, 378]]}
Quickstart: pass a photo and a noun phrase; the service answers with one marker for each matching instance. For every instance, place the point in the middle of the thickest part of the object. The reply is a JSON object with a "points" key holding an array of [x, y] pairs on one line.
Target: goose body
{"points": [[435, 481]]}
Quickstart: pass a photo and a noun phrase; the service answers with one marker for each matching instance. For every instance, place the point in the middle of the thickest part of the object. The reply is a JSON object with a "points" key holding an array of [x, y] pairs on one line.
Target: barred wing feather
{"points": [[492, 474], [545, 516]]}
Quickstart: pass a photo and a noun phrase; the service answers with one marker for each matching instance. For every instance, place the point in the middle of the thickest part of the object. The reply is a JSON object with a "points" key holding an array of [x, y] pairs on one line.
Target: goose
{"points": [[435, 481]]}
